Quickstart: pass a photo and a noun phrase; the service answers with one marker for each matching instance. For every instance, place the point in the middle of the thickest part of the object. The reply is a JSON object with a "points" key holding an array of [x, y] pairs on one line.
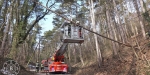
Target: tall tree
{"points": [[23, 25], [7, 15], [99, 57], [139, 17]]}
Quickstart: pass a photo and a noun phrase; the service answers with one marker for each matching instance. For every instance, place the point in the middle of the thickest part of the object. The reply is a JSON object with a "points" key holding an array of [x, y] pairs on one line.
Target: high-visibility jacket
{"points": [[41, 65], [52, 58]]}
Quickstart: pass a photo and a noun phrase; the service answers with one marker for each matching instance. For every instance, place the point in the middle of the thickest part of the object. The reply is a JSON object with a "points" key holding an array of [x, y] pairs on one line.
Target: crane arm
{"points": [[62, 49]]}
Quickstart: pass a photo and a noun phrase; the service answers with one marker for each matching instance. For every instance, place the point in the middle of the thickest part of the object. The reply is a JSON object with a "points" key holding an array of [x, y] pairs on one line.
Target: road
{"points": [[33, 70], [51, 74], [40, 74]]}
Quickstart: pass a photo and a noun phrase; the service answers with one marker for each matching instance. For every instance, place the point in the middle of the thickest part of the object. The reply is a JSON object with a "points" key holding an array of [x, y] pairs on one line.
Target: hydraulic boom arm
{"points": [[62, 49]]}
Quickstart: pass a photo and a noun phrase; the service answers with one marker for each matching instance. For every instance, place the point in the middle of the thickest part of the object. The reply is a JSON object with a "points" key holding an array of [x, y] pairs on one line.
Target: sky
{"points": [[46, 24]]}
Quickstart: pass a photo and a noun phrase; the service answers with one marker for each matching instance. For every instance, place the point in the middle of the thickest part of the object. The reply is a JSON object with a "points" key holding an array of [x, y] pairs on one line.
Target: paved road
{"points": [[51, 74], [41, 74], [33, 70]]}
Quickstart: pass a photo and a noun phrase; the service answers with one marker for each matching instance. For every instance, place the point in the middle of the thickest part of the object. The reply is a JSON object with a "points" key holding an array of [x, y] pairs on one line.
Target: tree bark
{"points": [[81, 55], [111, 33], [8, 16], [139, 18], [99, 56], [142, 6]]}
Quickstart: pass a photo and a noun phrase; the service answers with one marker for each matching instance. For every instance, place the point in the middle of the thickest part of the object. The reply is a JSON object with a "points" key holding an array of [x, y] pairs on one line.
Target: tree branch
{"points": [[36, 21]]}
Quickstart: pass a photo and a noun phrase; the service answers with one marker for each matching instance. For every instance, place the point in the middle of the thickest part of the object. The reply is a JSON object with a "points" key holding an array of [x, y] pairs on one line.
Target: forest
{"points": [[116, 34]]}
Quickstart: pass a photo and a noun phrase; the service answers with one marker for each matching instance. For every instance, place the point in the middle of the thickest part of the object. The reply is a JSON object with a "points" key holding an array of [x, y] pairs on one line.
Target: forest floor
{"points": [[129, 62]]}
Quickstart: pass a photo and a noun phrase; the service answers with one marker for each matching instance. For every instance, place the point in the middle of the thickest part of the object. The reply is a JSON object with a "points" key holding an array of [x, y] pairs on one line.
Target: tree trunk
{"points": [[75, 54], [80, 54], [142, 6], [4, 41], [111, 33], [9, 16], [99, 56], [119, 26], [139, 18]]}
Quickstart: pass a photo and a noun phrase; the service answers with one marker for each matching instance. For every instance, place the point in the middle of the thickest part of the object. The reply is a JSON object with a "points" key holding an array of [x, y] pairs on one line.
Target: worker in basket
{"points": [[80, 33]]}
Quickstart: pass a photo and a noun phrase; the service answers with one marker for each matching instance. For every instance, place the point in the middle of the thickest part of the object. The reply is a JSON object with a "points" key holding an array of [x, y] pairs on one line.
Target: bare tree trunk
{"points": [[111, 33], [80, 54], [69, 57], [4, 40], [142, 6], [139, 17], [74, 54], [119, 25], [9, 16], [99, 56]]}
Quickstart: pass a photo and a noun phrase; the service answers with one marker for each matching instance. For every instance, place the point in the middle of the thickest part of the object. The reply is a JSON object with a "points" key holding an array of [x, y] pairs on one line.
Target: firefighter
{"points": [[80, 34], [69, 31], [37, 66], [52, 58], [42, 67]]}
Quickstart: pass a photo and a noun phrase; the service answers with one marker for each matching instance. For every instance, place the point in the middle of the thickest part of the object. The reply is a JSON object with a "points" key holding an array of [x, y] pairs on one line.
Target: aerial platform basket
{"points": [[71, 33], [73, 40]]}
